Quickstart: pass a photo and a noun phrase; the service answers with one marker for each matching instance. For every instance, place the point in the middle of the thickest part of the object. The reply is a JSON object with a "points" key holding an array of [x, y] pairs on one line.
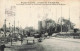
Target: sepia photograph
{"points": [[39, 25]]}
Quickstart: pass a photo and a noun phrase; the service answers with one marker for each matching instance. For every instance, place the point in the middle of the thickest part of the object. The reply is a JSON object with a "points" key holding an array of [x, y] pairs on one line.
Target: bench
{"points": [[30, 39]]}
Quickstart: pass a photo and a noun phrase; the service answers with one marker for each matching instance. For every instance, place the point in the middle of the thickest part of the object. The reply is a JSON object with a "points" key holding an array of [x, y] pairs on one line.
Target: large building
{"points": [[44, 24]]}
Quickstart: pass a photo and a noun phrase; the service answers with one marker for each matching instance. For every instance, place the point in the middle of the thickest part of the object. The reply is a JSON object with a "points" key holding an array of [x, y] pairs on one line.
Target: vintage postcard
{"points": [[39, 25]]}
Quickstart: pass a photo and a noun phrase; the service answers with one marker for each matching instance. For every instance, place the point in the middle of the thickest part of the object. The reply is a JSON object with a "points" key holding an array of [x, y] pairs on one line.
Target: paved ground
{"points": [[51, 44], [60, 44]]}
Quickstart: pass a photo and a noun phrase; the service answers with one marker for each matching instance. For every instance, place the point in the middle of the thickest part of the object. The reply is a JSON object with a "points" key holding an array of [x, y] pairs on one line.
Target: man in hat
{"points": [[2, 46]]}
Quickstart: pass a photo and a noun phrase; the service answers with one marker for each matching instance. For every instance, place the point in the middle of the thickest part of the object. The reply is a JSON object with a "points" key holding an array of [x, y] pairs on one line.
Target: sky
{"points": [[29, 15]]}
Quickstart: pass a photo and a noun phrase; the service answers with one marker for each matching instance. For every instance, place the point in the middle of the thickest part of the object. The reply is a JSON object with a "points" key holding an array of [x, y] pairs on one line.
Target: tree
{"points": [[1, 29], [49, 27], [66, 25], [75, 30]]}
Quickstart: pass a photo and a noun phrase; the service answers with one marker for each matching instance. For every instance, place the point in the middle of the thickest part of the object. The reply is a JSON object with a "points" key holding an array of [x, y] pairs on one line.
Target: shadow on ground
{"points": [[26, 47]]}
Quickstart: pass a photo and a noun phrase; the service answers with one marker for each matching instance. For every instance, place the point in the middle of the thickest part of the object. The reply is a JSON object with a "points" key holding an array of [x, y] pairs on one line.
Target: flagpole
{"points": [[79, 21], [56, 21], [69, 20], [18, 26], [14, 24], [5, 27], [9, 27], [13, 14], [61, 18], [5, 21], [11, 35]]}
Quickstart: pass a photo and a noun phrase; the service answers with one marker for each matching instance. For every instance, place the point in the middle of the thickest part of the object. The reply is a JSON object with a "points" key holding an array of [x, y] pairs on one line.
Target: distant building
{"points": [[44, 24], [29, 30], [40, 25]]}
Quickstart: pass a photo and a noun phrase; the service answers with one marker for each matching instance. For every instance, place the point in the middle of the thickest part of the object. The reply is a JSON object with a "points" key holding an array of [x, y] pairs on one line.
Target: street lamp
{"points": [[11, 35]]}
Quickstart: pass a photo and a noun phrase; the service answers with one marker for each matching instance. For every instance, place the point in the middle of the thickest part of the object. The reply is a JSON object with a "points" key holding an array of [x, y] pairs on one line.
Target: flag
{"points": [[10, 12]]}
